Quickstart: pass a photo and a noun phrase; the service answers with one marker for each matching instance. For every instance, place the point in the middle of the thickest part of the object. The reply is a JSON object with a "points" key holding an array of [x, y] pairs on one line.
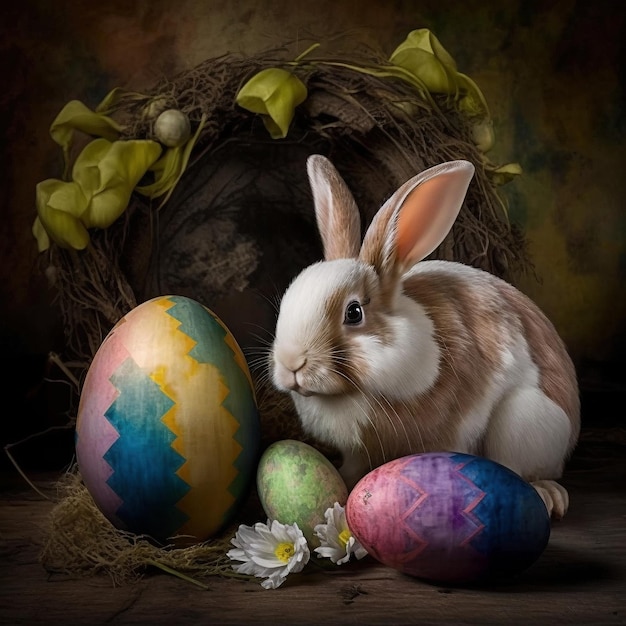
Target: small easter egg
{"points": [[172, 128], [167, 431], [449, 518], [296, 483]]}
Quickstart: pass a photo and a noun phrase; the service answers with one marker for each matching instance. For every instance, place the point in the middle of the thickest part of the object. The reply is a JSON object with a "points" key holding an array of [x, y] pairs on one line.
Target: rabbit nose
{"points": [[287, 364], [287, 378], [291, 358]]}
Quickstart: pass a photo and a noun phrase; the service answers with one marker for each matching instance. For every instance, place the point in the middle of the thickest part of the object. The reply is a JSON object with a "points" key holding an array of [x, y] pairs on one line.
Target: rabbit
{"points": [[386, 354]]}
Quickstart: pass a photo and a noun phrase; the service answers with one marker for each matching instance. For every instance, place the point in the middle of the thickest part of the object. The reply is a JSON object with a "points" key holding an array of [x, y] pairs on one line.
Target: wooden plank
{"points": [[580, 578]]}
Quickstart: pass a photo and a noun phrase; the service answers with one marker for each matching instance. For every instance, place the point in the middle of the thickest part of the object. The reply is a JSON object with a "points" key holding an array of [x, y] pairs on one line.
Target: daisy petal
{"points": [[269, 551]]}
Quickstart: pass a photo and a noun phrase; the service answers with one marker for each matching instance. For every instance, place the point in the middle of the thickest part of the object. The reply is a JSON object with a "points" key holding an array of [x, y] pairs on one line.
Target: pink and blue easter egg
{"points": [[167, 431], [449, 518]]}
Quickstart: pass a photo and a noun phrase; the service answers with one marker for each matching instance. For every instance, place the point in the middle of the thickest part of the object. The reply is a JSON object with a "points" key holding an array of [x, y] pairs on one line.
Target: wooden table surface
{"points": [[579, 579]]}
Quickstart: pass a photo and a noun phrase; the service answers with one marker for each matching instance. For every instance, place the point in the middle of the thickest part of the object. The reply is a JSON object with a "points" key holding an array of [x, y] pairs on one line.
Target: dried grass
{"points": [[80, 541]]}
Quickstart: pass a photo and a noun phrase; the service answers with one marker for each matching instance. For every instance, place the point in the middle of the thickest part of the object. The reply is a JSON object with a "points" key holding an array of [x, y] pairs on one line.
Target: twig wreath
{"points": [[381, 120]]}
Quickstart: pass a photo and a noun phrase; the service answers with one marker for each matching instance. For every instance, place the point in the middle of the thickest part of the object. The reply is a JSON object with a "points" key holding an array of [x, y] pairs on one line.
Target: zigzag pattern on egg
{"points": [[137, 442], [462, 515], [236, 407], [206, 331], [468, 520], [168, 430], [448, 517], [511, 537]]}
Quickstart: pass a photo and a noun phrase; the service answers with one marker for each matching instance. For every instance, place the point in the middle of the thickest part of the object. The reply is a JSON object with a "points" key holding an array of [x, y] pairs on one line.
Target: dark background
{"points": [[552, 73]]}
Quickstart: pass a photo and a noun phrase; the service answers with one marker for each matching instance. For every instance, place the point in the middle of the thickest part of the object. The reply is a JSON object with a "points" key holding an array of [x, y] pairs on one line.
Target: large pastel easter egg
{"points": [[167, 431], [449, 518], [296, 483]]}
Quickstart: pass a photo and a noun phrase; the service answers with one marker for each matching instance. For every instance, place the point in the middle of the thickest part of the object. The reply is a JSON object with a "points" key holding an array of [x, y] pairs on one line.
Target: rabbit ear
{"points": [[417, 217], [337, 214]]}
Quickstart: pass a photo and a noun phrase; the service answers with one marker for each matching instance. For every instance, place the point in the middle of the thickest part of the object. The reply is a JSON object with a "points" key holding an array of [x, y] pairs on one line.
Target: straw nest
{"points": [[378, 131]]}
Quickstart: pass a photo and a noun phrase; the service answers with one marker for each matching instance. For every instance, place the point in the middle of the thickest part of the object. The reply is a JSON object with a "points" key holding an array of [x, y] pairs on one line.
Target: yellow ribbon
{"points": [[104, 175], [274, 93], [103, 178], [422, 55], [108, 170], [75, 116], [59, 206]]}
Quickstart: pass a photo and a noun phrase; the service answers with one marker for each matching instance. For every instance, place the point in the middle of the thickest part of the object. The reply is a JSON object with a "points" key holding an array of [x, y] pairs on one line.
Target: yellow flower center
{"points": [[284, 551], [344, 536]]}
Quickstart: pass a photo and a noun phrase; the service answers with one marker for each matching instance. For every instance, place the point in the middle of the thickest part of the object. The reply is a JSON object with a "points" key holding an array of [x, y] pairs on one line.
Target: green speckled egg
{"points": [[296, 484]]}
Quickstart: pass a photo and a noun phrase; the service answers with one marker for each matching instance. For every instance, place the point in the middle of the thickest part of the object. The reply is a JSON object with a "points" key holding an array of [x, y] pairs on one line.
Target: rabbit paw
{"points": [[554, 496]]}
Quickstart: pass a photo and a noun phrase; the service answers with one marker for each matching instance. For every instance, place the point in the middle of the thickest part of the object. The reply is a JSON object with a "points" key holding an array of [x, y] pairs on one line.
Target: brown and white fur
{"points": [[385, 354]]}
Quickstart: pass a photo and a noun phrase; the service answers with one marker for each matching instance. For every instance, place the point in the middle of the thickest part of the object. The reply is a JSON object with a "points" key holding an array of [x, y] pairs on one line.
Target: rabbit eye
{"points": [[354, 313]]}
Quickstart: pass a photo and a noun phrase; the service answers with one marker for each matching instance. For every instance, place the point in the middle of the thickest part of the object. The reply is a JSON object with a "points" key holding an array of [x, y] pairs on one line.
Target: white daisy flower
{"points": [[270, 551], [337, 542]]}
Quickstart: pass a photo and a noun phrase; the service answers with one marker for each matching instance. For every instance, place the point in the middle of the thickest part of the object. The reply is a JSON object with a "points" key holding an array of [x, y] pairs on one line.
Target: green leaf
{"points": [[505, 173], [166, 170], [424, 39], [423, 55], [111, 99], [104, 176], [75, 116], [483, 134], [115, 96], [86, 170], [59, 207], [273, 93], [40, 234], [473, 101], [107, 174], [386, 71]]}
